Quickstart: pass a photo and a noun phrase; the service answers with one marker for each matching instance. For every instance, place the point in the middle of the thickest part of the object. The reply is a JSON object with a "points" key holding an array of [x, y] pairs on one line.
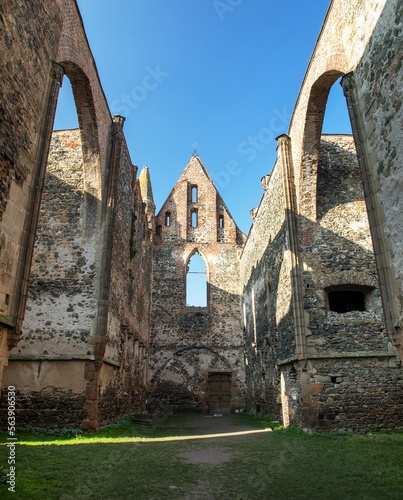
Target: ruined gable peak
{"points": [[194, 168]]}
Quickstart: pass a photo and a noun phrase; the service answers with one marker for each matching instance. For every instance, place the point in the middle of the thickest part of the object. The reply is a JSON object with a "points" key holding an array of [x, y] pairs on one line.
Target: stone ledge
{"points": [[111, 362], [16, 357], [5, 320], [358, 354]]}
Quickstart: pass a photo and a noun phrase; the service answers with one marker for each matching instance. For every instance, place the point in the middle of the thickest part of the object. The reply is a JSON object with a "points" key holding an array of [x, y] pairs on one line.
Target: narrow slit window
{"points": [[194, 218], [196, 282], [221, 222], [167, 219], [194, 194]]}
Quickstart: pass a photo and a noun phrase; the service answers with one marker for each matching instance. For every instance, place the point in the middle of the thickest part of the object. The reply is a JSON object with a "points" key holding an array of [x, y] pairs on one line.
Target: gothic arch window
{"points": [[196, 282]]}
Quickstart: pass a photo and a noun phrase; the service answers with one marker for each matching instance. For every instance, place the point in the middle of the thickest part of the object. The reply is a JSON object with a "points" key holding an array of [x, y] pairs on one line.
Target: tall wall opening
{"points": [[56, 343]]}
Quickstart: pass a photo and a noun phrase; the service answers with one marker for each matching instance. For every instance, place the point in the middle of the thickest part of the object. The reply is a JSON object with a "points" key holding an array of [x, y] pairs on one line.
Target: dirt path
{"points": [[210, 448]]}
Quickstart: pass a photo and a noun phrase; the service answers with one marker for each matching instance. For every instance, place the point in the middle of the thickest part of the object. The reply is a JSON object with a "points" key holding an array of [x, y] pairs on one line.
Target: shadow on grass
{"points": [[276, 465]]}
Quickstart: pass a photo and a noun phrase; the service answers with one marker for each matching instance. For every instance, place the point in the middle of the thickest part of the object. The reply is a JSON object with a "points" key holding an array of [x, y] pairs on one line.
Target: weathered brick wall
{"points": [[267, 306], [94, 117], [188, 343], [26, 51], [124, 375]]}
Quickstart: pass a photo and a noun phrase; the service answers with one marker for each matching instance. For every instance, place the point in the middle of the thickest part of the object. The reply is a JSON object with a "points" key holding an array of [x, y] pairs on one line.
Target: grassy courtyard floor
{"points": [[174, 459]]}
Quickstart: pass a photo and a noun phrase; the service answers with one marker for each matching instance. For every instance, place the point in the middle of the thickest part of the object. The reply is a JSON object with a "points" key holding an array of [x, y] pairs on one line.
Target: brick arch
{"points": [[328, 63], [310, 145], [74, 54], [347, 278], [87, 120]]}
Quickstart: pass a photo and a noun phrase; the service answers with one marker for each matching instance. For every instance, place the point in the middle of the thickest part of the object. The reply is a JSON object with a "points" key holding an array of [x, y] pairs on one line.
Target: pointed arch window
{"points": [[196, 282]]}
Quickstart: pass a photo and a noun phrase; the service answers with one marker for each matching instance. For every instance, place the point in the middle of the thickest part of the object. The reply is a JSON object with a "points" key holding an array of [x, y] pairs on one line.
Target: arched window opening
{"points": [[66, 114], [167, 219], [343, 301], [196, 282], [336, 119], [194, 194], [221, 222], [68, 213], [194, 218]]}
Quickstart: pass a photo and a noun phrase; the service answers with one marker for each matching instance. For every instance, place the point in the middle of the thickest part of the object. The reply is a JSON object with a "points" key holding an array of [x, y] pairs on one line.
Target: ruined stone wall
{"points": [[58, 330], [125, 369], [61, 307], [94, 117], [345, 352], [359, 39], [352, 393], [352, 363], [26, 52], [188, 343], [267, 307], [379, 80], [341, 255]]}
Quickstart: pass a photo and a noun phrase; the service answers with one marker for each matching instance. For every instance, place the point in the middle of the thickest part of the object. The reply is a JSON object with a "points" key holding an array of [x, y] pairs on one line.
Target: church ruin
{"points": [[301, 318]]}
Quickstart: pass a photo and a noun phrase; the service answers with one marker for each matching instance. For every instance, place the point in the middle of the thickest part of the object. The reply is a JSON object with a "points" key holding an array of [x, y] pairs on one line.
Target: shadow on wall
{"points": [[269, 336]]}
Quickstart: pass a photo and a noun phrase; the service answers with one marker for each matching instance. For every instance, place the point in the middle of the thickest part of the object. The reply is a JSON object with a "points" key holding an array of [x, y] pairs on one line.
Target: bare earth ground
{"points": [[215, 432]]}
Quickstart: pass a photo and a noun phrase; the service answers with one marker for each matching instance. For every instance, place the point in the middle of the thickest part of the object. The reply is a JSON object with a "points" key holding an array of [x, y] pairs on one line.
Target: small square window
{"points": [[342, 301]]}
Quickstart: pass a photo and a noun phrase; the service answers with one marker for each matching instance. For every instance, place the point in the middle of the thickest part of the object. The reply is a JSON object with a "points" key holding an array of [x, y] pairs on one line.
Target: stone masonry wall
{"points": [[362, 39], [26, 52], [352, 379], [124, 374], [379, 78], [352, 393], [56, 343], [188, 343], [61, 307], [341, 255], [267, 307]]}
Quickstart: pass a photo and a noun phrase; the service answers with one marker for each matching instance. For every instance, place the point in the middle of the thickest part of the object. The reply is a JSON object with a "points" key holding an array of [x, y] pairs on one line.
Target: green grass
{"points": [[133, 461]]}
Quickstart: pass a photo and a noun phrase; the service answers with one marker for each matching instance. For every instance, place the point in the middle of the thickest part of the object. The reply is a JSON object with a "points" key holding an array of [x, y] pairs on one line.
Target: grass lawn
{"points": [[147, 462]]}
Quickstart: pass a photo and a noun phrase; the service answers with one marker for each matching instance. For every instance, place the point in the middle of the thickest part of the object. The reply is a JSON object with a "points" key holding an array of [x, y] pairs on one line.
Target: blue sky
{"points": [[224, 74]]}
